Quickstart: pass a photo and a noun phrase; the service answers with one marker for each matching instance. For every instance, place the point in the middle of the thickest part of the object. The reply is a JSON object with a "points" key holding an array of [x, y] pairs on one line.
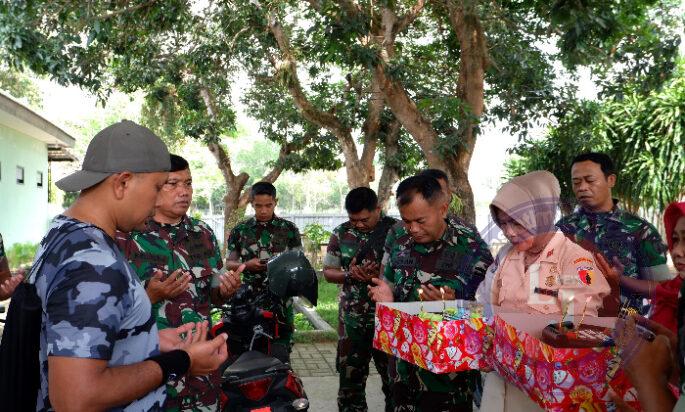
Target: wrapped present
{"points": [[558, 379], [441, 337]]}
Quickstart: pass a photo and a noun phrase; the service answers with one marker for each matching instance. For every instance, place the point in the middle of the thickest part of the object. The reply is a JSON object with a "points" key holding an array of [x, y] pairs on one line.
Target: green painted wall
{"points": [[23, 207]]}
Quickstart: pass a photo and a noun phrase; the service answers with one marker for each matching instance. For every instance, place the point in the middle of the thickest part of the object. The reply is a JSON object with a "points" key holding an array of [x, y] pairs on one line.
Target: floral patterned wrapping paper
{"points": [[438, 346], [558, 379]]}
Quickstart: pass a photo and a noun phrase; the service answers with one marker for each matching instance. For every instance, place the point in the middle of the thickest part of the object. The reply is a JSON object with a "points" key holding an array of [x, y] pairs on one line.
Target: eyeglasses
{"points": [[171, 186]]}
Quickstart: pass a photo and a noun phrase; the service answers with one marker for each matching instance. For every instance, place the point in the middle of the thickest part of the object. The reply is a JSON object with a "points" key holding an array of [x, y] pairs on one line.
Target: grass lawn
{"points": [[327, 305], [327, 308]]}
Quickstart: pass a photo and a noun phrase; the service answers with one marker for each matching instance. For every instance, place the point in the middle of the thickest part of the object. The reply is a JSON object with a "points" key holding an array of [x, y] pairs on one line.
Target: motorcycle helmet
{"points": [[290, 274]]}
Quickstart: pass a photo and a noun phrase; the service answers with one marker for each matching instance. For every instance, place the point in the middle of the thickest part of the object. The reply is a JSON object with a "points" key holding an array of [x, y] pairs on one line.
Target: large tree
{"points": [[431, 66], [636, 119], [171, 51], [349, 74]]}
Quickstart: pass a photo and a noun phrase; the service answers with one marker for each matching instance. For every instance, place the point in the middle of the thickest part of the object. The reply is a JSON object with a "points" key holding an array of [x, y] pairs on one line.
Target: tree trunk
{"points": [[233, 213], [390, 174], [234, 187], [236, 198], [360, 171], [471, 90]]}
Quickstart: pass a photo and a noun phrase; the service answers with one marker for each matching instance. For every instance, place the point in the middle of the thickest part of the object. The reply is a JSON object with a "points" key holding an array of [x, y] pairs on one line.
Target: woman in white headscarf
{"points": [[536, 271]]}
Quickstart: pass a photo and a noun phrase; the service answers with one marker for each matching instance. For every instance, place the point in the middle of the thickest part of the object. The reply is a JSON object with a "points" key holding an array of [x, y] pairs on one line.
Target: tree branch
{"points": [[406, 20], [390, 173], [220, 154], [405, 110], [311, 113], [350, 7], [124, 10], [356, 176], [372, 124]]}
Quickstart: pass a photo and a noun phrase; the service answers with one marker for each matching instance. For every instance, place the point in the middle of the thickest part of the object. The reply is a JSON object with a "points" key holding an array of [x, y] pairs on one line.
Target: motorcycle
{"points": [[256, 376]]}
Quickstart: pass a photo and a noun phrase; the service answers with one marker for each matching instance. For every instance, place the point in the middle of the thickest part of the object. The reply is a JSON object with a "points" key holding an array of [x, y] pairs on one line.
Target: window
{"points": [[20, 175], [39, 179]]}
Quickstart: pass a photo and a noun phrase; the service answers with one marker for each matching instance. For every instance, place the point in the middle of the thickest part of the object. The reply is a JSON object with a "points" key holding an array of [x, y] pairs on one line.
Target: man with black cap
{"points": [[99, 344]]}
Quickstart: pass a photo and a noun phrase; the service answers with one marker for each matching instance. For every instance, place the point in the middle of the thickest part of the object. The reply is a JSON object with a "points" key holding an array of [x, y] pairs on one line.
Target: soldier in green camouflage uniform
{"points": [[624, 239], [254, 241], [353, 256], [177, 257], [431, 252]]}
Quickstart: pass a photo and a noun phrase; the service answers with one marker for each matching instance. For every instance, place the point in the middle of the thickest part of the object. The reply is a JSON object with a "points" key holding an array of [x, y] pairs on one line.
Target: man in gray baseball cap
{"points": [[98, 337], [123, 146]]}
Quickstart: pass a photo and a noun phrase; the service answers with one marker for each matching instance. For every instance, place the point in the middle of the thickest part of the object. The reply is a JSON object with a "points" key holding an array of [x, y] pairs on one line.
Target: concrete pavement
{"points": [[314, 363]]}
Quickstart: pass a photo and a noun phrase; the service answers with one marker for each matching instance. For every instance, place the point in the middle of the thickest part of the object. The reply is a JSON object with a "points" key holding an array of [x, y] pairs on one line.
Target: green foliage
{"points": [[648, 142], [21, 254], [315, 236], [68, 199], [327, 307], [643, 133], [572, 135], [185, 55], [301, 323], [20, 85], [328, 302], [316, 233]]}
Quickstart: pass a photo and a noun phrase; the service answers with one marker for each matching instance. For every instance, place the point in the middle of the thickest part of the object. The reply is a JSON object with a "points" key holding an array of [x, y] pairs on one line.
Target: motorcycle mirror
{"points": [[290, 274]]}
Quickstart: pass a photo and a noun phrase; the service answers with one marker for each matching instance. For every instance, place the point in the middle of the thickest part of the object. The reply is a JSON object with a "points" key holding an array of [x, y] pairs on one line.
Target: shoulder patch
{"points": [[583, 259], [586, 274]]}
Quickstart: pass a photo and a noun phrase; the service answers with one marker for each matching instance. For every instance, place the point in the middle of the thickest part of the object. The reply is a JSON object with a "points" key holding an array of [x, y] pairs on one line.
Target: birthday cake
{"points": [[567, 335]]}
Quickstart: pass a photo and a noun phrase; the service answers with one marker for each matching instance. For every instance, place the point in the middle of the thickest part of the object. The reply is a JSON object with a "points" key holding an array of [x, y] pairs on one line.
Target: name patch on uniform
{"points": [[404, 262], [448, 261], [150, 258], [197, 248], [585, 274]]}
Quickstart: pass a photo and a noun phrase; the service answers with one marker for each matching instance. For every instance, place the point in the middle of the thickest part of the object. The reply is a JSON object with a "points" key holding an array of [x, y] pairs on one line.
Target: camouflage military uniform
{"points": [[356, 320], [459, 260], [191, 246], [618, 233], [252, 239], [94, 306]]}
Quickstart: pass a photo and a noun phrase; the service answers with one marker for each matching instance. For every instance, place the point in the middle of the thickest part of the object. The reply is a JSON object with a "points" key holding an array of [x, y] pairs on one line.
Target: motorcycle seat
{"points": [[250, 361]]}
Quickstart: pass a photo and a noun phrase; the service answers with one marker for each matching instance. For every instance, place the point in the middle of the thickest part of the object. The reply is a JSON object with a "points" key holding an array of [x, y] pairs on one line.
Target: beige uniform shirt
{"points": [[564, 273]]}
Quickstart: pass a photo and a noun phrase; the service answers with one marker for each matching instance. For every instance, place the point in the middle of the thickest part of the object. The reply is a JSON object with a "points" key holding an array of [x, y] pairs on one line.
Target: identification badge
{"points": [[550, 281]]}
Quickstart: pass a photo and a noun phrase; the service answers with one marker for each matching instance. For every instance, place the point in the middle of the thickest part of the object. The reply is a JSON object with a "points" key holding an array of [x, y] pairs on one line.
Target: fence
{"points": [[490, 233]]}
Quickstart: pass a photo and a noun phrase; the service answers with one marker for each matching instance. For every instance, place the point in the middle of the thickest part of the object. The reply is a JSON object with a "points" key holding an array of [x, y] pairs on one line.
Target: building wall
{"points": [[23, 207]]}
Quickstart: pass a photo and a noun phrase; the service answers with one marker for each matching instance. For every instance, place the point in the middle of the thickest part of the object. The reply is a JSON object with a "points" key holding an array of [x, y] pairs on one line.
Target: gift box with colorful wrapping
{"points": [[440, 346], [558, 379]]}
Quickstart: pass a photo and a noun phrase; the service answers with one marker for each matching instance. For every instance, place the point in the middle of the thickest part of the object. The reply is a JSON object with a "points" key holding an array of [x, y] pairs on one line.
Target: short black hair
{"points": [[361, 198], [262, 188], [178, 163], [427, 186], [435, 174], [602, 159]]}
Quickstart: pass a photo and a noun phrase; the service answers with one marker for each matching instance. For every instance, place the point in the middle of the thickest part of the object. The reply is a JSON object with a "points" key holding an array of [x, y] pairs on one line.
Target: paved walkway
{"points": [[315, 364]]}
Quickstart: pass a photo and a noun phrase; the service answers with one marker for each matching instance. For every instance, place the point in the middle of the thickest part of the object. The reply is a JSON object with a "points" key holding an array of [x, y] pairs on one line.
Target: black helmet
{"points": [[290, 274]]}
